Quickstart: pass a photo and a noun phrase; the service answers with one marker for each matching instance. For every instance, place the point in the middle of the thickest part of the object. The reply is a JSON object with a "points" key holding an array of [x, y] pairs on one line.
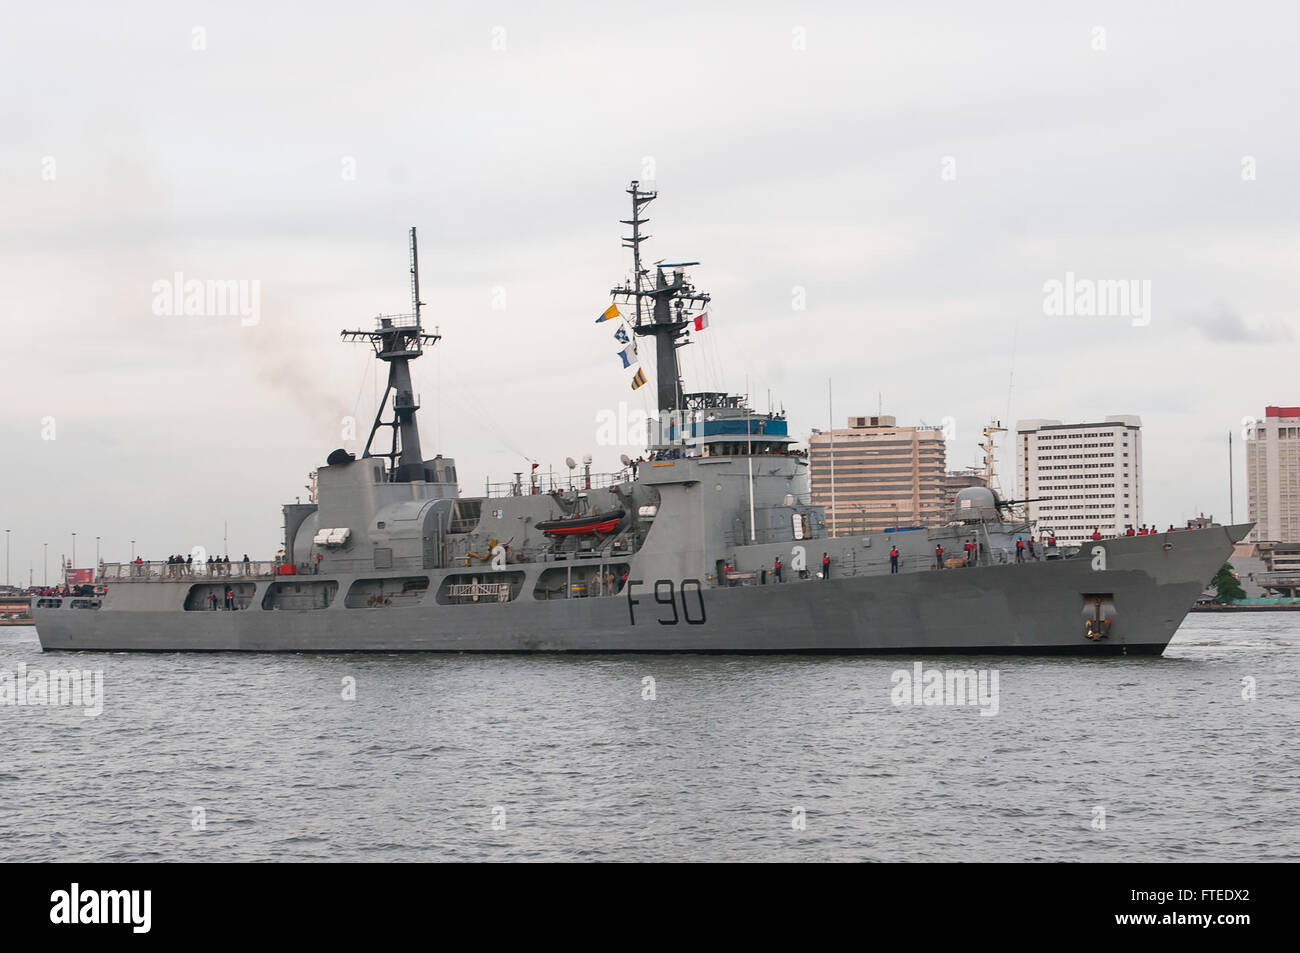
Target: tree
{"points": [[1226, 586]]}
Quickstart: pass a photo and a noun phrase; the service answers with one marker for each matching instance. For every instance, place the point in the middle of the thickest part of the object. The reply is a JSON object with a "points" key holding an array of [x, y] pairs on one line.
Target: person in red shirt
{"points": [[938, 557], [893, 559], [1096, 533]]}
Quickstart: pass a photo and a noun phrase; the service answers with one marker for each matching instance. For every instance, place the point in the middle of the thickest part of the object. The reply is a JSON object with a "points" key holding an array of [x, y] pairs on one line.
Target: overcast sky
{"points": [[920, 173]]}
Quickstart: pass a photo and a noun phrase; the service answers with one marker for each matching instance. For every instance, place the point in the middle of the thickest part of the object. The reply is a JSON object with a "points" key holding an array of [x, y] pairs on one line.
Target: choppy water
{"points": [[573, 759]]}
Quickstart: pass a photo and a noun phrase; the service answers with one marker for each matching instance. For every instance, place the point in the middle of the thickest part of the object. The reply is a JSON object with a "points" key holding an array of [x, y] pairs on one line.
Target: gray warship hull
{"points": [[1150, 583]]}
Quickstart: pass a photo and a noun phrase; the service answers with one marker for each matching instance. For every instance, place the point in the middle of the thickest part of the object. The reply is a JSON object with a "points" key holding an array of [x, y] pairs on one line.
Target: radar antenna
{"points": [[399, 339]]}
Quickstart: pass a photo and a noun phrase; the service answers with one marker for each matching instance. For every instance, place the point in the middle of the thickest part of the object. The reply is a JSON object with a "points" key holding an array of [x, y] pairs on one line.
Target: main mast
{"points": [[666, 302], [399, 339]]}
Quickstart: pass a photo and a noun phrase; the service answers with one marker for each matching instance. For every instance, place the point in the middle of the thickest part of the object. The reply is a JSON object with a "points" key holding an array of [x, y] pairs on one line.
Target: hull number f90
{"points": [[666, 595]]}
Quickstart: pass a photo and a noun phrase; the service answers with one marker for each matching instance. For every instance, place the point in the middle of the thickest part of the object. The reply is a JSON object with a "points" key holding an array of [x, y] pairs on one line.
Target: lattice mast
{"points": [[399, 339], [667, 300], [990, 456]]}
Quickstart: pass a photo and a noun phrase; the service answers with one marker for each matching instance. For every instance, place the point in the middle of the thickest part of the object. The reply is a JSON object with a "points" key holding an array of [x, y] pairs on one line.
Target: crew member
{"points": [[938, 557], [1096, 533], [776, 569], [893, 559], [1020, 549], [826, 567]]}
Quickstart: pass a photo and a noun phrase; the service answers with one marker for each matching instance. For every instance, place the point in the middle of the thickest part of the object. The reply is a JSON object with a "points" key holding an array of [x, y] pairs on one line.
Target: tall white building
{"points": [[1273, 475], [1084, 476]]}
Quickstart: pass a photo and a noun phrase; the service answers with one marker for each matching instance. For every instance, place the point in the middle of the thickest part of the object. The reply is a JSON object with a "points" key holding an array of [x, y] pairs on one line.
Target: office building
{"points": [[1273, 475], [883, 476], [1081, 477]]}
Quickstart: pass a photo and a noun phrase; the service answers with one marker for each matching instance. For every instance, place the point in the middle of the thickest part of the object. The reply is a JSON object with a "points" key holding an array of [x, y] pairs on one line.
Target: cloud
{"points": [[1223, 324]]}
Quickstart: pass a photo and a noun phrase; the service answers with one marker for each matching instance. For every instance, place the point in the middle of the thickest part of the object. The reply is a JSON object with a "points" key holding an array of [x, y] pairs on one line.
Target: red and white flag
{"points": [[701, 322]]}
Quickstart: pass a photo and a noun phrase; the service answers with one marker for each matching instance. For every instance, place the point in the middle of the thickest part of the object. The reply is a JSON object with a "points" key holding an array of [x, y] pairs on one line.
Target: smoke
{"points": [[303, 363]]}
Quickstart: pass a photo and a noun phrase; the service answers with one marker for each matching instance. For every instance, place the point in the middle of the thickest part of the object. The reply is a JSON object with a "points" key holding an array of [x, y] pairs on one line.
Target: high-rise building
{"points": [[957, 480], [1081, 477], [1273, 475], [882, 476]]}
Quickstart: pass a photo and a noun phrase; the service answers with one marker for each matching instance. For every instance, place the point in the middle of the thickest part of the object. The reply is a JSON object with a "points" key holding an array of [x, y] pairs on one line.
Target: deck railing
{"points": [[553, 480], [174, 572], [487, 591]]}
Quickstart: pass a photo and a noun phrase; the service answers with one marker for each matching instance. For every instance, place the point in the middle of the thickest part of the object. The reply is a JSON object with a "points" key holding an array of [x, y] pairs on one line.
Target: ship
{"points": [[708, 542]]}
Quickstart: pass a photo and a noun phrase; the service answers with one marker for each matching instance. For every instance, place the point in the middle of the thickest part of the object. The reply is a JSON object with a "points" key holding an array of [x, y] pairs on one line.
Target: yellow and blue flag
{"points": [[610, 312], [639, 379]]}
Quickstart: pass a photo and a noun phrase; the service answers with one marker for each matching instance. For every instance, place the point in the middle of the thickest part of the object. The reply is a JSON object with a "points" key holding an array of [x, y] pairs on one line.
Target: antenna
{"points": [[830, 421], [416, 303], [639, 199], [1232, 503]]}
